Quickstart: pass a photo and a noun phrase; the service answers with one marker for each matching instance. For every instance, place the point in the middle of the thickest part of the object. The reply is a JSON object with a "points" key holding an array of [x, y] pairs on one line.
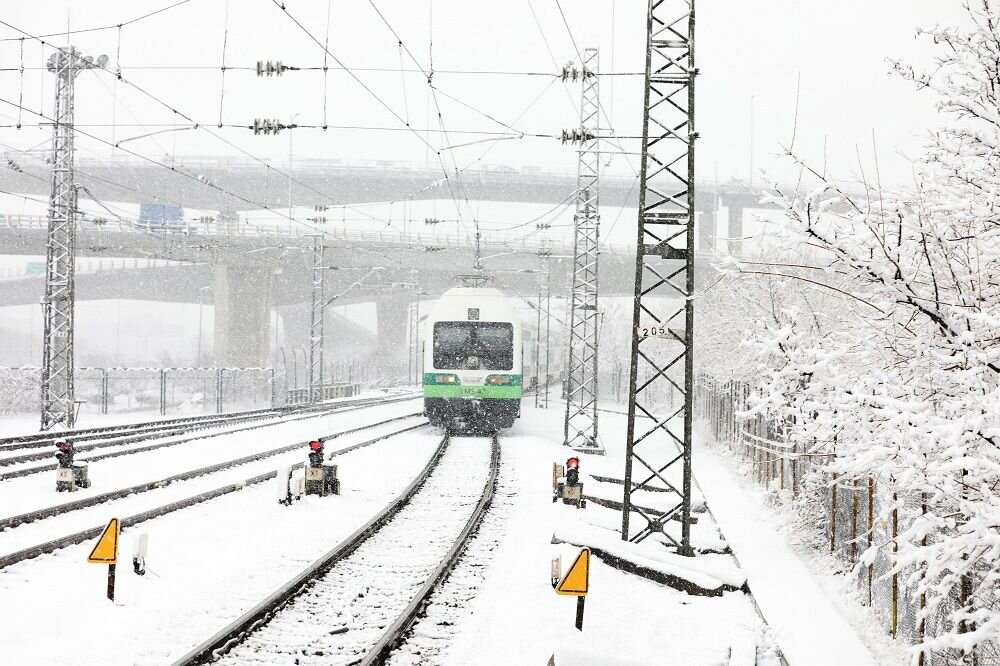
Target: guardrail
{"points": [[300, 396], [429, 242]]}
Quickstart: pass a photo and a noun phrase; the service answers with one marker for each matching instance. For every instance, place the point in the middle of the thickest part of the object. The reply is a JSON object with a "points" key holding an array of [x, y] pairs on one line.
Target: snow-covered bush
{"points": [[874, 323]]}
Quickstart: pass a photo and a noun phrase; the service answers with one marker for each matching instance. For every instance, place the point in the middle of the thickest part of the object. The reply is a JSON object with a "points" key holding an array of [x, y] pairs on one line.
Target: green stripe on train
{"points": [[446, 391]]}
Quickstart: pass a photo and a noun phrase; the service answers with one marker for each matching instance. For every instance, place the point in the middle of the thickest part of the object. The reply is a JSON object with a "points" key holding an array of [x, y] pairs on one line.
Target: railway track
{"points": [[59, 509], [129, 521], [42, 439], [357, 602], [48, 439], [153, 434]]}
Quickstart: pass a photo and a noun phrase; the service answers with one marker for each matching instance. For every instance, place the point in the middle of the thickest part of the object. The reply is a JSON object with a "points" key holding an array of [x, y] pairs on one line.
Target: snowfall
{"points": [[772, 600]]}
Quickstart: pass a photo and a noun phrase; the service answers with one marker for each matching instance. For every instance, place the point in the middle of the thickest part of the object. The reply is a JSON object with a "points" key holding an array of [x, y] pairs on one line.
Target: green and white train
{"points": [[476, 362]]}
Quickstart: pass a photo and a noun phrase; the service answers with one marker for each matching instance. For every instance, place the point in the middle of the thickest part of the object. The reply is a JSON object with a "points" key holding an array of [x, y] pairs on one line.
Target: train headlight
{"points": [[445, 379], [501, 380]]}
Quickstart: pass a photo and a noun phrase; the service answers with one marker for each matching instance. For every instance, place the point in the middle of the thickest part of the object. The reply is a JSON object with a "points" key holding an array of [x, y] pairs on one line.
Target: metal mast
{"points": [[57, 304], [580, 426], [316, 323], [543, 359], [658, 439]]}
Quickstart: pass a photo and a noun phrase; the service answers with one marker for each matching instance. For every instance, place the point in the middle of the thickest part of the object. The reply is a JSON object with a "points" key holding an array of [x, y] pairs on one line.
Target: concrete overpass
{"points": [[254, 268]]}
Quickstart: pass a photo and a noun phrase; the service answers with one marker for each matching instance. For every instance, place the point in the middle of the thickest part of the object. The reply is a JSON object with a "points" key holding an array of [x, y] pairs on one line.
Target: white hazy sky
{"points": [[747, 50]]}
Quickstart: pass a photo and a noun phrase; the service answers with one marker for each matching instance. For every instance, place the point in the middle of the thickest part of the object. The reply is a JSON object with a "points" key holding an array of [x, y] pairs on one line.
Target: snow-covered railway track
{"points": [[440, 618], [124, 445], [59, 509], [129, 521], [44, 439], [354, 604]]}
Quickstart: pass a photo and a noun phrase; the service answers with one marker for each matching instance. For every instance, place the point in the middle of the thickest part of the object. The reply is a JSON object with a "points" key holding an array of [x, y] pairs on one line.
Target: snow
{"points": [[807, 626], [702, 571], [207, 564], [632, 619]]}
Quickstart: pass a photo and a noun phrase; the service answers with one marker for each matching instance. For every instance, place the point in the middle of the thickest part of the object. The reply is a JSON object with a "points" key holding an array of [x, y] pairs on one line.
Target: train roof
{"points": [[493, 305]]}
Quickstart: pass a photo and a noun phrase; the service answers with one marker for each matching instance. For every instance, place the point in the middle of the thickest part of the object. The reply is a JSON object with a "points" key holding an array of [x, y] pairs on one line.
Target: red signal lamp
{"points": [[573, 463], [315, 445]]}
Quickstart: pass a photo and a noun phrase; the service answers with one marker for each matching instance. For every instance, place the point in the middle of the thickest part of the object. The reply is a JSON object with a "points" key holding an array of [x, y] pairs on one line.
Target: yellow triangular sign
{"points": [[106, 549], [577, 579]]}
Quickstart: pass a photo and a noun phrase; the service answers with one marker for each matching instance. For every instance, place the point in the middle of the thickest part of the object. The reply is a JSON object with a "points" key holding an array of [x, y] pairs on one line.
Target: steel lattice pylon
{"points": [[580, 425], [316, 323], [658, 439], [57, 304]]}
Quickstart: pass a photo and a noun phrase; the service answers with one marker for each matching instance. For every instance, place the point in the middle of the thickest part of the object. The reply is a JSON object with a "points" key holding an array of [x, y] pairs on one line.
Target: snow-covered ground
{"points": [[814, 611], [211, 562], [207, 564]]}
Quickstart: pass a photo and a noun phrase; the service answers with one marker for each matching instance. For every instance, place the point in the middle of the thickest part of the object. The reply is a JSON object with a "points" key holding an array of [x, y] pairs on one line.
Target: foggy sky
{"points": [[745, 50]]}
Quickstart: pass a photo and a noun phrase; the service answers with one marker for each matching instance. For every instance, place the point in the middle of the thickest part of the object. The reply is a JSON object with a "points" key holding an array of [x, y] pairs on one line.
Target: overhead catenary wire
{"points": [[443, 129], [371, 92], [198, 125], [329, 68], [112, 26], [600, 105], [206, 183]]}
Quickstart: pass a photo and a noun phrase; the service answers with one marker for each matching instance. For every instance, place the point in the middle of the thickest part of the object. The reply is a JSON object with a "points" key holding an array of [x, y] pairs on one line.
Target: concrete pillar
{"points": [[707, 226], [392, 346], [242, 315], [735, 228]]}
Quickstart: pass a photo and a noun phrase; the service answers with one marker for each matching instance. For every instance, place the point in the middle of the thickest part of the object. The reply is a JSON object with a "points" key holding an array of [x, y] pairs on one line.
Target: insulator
{"points": [[269, 68], [543, 225], [14, 166], [569, 72], [321, 208], [267, 126], [432, 220], [576, 136]]}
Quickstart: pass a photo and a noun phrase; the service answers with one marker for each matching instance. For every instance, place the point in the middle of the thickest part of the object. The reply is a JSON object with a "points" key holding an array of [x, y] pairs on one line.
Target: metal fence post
{"points": [[274, 390], [218, 390], [104, 390], [163, 392]]}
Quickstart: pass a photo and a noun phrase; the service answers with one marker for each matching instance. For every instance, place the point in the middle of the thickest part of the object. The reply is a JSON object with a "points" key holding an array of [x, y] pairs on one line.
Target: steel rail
{"points": [[201, 421], [395, 634], [130, 521], [260, 614], [35, 440], [145, 432], [59, 509], [331, 409]]}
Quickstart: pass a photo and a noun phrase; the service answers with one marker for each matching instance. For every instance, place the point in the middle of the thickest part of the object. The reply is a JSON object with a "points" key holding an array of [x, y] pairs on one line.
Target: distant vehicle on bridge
{"points": [[161, 217]]}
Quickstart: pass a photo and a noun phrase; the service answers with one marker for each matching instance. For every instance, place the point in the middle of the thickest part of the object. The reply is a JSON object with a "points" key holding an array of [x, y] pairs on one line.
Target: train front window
{"points": [[473, 345]]}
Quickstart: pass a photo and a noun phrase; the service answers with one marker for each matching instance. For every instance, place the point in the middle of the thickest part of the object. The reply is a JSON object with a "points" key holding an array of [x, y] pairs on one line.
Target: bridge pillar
{"points": [[707, 224], [242, 315], [392, 346], [735, 213]]}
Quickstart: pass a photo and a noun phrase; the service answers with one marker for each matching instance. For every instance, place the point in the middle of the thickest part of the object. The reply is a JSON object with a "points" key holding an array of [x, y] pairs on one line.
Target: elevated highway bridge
{"points": [[253, 268]]}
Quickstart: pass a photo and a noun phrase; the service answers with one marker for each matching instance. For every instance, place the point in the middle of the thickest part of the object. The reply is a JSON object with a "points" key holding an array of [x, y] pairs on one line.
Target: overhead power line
{"points": [[113, 26], [205, 182]]}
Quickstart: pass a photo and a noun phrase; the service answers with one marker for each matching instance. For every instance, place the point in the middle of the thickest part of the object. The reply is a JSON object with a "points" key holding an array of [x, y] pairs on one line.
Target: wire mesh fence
{"points": [[856, 514], [147, 390]]}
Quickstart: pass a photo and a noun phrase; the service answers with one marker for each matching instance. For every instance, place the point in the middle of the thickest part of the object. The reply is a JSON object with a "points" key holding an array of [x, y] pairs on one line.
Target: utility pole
{"points": [[542, 367], [658, 439], [58, 405], [316, 323], [580, 426]]}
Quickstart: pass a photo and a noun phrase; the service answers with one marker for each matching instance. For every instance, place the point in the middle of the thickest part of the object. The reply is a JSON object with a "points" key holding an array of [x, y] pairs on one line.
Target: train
{"points": [[478, 360]]}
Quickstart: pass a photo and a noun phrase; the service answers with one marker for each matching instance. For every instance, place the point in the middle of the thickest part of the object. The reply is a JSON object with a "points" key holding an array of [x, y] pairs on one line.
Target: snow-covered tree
{"points": [[900, 362]]}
